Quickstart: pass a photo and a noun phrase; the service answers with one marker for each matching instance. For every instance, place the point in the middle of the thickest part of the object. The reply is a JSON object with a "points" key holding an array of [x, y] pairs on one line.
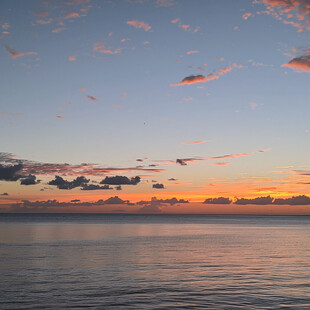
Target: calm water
{"points": [[154, 262]]}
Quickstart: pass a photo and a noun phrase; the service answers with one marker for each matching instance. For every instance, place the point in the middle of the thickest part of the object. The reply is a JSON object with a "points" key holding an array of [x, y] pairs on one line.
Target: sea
{"points": [[118, 261]]}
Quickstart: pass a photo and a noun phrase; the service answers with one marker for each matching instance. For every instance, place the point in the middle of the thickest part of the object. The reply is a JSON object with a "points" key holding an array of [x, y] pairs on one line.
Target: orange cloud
{"points": [[192, 52], [72, 58], [222, 164], [72, 15], [45, 22], [193, 79], [60, 117], [99, 47], [196, 142], [299, 64], [245, 16], [230, 156], [5, 26], [57, 30], [139, 24], [14, 54]]}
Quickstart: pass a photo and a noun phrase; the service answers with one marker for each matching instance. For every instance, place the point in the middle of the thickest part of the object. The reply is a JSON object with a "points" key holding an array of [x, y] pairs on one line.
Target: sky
{"points": [[147, 106]]}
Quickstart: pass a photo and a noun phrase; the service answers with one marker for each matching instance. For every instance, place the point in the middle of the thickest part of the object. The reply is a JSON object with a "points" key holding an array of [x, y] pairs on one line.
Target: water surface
{"points": [[154, 262]]}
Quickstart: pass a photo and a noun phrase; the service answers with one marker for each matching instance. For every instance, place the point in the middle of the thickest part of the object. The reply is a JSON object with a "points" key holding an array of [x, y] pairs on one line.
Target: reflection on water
{"points": [[154, 262]]}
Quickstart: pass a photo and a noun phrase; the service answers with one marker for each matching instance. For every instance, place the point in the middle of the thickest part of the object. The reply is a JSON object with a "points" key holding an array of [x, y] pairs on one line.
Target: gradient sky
{"points": [[200, 99]]}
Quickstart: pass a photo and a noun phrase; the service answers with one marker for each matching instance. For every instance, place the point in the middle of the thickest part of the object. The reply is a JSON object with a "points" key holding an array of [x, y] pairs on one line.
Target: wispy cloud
{"points": [[246, 16], [192, 52], [15, 54], [72, 58], [196, 142], [139, 24], [100, 47]]}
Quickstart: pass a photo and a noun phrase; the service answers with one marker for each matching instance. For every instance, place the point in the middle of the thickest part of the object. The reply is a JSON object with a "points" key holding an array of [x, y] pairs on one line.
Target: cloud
{"points": [[42, 13], [92, 187], [192, 52], [154, 200], [158, 186], [174, 21], [218, 200], [222, 164], [165, 3], [5, 26], [72, 15], [139, 24], [72, 58], [101, 48], [60, 117], [64, 184], [298, 9], [5, 194], [39, 168], [299, 64], [14, 54], [229, 156], [57, 30], [193, 79], [184, 161], [295, 200], [253, 105], [196, 142], [27, 205], [29, 180], [45, 22], [120, 180], [10, 173], [245, 16], [254, 201], [92, 98]]}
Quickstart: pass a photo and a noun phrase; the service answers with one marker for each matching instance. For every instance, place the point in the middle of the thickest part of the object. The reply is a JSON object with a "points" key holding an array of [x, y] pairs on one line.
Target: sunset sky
{"points": [[155, 98]]}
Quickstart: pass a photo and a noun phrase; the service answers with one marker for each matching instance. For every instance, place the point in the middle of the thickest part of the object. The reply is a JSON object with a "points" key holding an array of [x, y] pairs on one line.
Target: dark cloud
{"points": [[184, 161], [120, 180], [255, 201], [9, 173], [75, 200], [118, 188], [92, 187], [64, 184], [27, 205], [39, 168], [158, 185], [154, 200], [218, 200], [172, 179], [295, 200], [30, 180], [5, 194]]}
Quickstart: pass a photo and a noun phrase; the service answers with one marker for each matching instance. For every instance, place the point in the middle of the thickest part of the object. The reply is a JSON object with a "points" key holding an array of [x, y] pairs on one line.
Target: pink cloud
{"points": [[196, 142], [101, 48], [184, 27], [299, 64], [174, 21], [192, 52], [60, 117], [72, 58], [253, 105], [92, 98], [139, 24], [82, 89]]}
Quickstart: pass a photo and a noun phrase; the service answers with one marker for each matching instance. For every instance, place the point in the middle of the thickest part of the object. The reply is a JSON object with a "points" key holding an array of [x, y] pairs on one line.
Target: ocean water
{"points": [[73, 261]]}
